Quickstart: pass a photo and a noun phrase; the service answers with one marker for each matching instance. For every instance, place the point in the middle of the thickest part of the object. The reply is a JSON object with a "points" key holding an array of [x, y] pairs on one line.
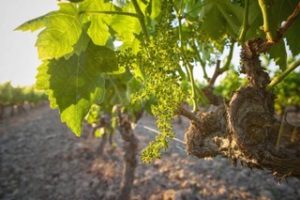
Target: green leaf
{"points": [[99, 31], [99, 132], [62, 31], [212, 22], [126, 29], [155, 8], [254, 21], [74, 84], [231, 13], [192, 8], [93, 115], [278, 53], [133, 86], [75, 1], [292, 37], [220, 18], [280, 12], [95, 5], [102, 57], [143, 4], [83, 40], [34, 24]]}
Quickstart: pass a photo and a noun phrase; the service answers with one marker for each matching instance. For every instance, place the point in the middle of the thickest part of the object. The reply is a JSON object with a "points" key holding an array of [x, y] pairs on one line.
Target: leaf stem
{"points": [[141, 18], [192, 80], [117, 91], [190, 115], [219, 70], [264, 7], [282, 30], [280, 132], [245, 24], [283, 75], [229, 58], [188, 66], [287, 23], [181, 73], [202, 63], [106, 12], [215, 75]]}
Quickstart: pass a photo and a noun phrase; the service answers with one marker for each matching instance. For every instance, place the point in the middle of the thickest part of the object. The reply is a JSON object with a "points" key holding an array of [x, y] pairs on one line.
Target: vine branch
{"points": [[282, 30], [264, 7], [188, 66], [216, 74], [290, 20], [284, 74], [192, 80], [219, 70], [105, 12], [188, 114], [141, 18], [202, 63], [245, 24]]}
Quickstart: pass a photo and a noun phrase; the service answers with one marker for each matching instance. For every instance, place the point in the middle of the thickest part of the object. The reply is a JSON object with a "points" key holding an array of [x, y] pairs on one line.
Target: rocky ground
{"points": [[41, 159]]}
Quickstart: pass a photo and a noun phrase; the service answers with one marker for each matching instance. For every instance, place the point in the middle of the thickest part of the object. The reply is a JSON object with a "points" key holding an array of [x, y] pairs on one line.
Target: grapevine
{"points": [[11, 97], [140, 55]]}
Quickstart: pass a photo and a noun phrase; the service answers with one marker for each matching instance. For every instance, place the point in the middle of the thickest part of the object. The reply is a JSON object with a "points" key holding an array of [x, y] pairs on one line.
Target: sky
{"points": [[18, 56]]}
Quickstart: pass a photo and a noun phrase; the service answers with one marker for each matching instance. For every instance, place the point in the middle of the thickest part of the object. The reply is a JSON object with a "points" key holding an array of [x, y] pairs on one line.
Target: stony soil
{"points": [[41, 159]]}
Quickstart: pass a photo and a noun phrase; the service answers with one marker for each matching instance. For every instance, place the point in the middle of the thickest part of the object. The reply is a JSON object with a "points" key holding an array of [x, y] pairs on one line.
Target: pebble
{"points": [[266, 194]]}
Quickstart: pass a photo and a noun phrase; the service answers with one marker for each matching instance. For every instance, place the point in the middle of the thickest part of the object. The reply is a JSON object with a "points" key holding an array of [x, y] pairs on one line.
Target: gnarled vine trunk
{"points": [[130, 160], [104, 122], [100, 148], [246, 129], [1, 111]]}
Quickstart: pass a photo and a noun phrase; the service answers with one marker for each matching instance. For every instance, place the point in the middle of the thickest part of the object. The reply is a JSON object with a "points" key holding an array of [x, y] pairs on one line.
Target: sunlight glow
{"points": [[18, 56]]}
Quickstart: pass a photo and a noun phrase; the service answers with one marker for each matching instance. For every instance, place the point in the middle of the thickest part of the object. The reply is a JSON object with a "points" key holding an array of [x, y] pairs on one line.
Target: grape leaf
{"points": [[34, 24], [154, 8], [231, 15], [143, 4], [126, 29], [93, 115], [75, 1], [254, 21], [280, 12], [100, 132], [98, 30], [62, 30], [278, 53], [285, 9], [292, 38], [74, 84], [219, 18], [83, 40], [192, 8]]}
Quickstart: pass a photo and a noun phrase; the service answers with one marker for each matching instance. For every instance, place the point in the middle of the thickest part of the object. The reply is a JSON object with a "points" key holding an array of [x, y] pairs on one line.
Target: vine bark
{"points": [[130, 152], [246, 129]]}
